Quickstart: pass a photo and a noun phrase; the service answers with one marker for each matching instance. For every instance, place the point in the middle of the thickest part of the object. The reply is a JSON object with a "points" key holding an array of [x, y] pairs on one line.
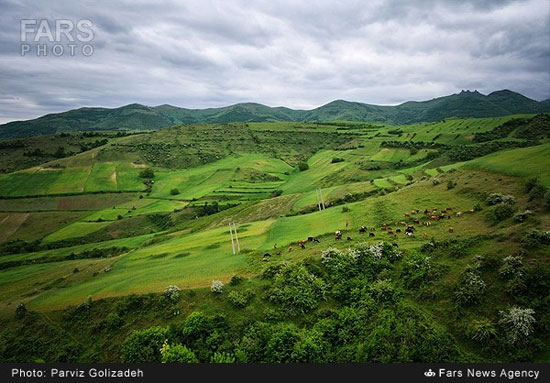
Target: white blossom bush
{"points": [[517, 323], [377, 250], [496, 198], [172, 292], [470, 288], [511, 267], [216, 287], [330, 254]]}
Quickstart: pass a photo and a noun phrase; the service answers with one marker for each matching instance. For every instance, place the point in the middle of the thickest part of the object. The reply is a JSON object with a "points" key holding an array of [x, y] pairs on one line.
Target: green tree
{"points": [[144, 345]]}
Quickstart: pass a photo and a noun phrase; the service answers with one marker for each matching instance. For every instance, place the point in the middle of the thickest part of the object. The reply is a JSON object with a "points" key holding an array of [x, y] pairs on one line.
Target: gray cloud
{"points": [[212, 53]]}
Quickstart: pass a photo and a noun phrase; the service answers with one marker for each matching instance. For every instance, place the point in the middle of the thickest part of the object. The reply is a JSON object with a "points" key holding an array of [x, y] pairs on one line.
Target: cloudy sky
{"points": [[198, 54]]}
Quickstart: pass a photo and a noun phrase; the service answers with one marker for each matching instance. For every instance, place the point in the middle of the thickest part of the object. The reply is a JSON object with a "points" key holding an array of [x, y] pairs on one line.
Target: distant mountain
{"points": [[139, 117]]}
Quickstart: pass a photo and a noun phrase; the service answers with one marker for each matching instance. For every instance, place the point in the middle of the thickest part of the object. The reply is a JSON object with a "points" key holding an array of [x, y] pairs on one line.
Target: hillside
{"points": [[110, 246], [140, 117]]}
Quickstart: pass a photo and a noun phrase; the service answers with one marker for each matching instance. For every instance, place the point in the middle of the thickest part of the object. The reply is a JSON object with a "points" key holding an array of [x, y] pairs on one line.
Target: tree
{"points": [[147, 173], [177, 354], [302, 166], [144, 345], [174, 191]]}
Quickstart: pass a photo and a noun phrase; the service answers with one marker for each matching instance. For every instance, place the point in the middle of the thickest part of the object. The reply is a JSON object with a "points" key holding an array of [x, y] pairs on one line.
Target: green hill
{"points": [[140, 117]]}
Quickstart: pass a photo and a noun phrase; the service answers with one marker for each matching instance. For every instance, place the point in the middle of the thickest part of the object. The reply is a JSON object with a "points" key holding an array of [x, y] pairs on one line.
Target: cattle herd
{"points": [[406, 227]]}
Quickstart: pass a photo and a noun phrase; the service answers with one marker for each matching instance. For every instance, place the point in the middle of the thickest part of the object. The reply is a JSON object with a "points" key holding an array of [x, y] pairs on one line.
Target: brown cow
{"points": [[416, 220], [451, 229], [407, 215]]}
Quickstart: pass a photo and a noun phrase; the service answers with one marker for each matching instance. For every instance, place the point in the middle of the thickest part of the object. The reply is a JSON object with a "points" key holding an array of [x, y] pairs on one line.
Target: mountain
{"points": [[141, 117]]}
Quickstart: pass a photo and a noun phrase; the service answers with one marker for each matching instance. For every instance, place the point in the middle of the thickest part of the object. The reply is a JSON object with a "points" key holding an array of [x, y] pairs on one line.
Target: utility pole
{"points": [[322, 199], [231, 234], [237, 238]]}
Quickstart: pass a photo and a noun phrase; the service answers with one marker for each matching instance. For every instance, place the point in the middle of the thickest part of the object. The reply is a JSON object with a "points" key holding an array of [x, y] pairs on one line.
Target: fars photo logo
{"points": [[59, 37]]}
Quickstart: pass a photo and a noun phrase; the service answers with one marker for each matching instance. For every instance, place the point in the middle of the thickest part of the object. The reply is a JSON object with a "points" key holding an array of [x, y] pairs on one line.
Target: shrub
{"points": [[238, 299], [235, 280], [345, 209], [502, 212], [451, 184], [436, 182], [174, 191], [177, 354], [276, 193], [335, 160], [172, 292], [416, 270], [302, 166], [536, 238], [470, 288], [297, 290], [144, 345], [511, 266], [496, 198], [518, 324], [147, 173], [114, 321], [522, 216], [383, 291], [480, 330], [20, 311], [222, 357], [216, 287]]}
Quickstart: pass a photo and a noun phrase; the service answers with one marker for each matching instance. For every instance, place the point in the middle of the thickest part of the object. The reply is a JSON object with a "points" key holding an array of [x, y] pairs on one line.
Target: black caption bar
{"points": [[405, 372]]}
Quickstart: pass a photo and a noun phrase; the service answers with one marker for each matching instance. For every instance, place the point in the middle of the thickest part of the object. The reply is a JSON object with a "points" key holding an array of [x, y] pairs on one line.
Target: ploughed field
{"points": [[134, 213]]}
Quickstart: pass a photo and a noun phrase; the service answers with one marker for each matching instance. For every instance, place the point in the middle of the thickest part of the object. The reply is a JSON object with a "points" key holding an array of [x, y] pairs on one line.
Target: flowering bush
{"points": [[470, 288], [238, 299], [216, 287], [496, 198], [172, 292], [517, 323], [511, 267], [417, 269]]}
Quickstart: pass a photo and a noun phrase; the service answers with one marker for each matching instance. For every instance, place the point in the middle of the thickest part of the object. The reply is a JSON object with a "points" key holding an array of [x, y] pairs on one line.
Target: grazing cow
{"points": [[450, 209], [349, 239], [302, 244], [395, 244], [362, 230], [289, 249], [398, 231], [434, 217], [443, 211], [458, 214], [338, 235], [413, 212], [416, 220], [426, 212], [471, 210], [373, 229], [390, 232], [407, 215], [371, 234], [448, 217], [266, 256], [312, 239], [451, 230], [403, 223], [409, 233]]}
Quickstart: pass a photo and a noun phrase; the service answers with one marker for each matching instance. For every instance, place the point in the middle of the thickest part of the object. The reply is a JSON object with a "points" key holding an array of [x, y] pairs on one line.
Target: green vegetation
{"points": [[444, 231]]}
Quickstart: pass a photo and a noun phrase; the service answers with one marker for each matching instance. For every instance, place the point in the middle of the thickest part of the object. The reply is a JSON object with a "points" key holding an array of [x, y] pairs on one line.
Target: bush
{"points": [[172, 292], [536, 238], [275, 193], [417, 270], [143, 346], [222, 357], [436, 182], [302, 166], [522, 216], [216, 287], [518, 324], [174, 191], [20, 311], [480, 330], [502, 212], [383, 291], [177, 354], [239, 300], [297, 290], [114, 321], [235, 280], [511, 267], [147, 173], [470, 288], [496, 198], [335, 160], [451, 184], [345, 209]]}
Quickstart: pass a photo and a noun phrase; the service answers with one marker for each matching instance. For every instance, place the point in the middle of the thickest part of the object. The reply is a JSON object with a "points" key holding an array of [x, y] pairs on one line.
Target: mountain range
{"points": [[140, 117]]}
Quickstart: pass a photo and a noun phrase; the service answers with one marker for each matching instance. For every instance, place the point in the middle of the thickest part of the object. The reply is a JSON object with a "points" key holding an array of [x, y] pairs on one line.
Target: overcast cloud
{"points": [[199, 54]]}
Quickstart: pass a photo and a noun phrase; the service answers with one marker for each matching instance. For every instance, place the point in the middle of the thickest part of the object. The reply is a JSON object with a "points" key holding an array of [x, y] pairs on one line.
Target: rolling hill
{"points": [[140, 117]]}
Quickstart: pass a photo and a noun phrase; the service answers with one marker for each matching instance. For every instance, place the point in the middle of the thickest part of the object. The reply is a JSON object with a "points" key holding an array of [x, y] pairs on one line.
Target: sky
{"points": [[299, 54]]}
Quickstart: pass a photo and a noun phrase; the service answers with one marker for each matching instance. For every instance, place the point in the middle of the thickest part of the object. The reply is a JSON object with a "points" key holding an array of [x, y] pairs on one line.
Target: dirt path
{"points": [[11, 224]]}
